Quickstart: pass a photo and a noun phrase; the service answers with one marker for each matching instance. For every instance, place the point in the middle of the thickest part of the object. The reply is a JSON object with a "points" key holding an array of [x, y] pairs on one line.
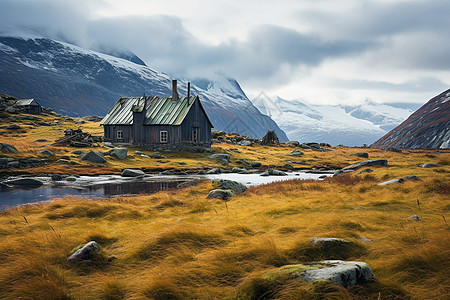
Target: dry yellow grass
{"points": [[178, 245]]}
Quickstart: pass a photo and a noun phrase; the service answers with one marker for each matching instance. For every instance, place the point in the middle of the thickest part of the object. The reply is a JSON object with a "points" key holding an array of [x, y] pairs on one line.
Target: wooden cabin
{"points": [[152, 120], [29, 106]]}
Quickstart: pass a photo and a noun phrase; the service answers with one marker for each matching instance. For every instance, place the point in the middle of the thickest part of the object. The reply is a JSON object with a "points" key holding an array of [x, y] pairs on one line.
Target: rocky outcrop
{"points": [[7, 148], [428, 127]]}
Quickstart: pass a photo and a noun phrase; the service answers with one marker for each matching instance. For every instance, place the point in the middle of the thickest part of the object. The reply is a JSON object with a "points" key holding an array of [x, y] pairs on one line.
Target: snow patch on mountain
{"points": [[347, 125]]}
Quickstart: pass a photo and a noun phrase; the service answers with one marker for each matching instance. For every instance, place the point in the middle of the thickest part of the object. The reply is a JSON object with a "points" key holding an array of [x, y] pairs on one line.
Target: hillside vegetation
{"points": [[179, 245]]}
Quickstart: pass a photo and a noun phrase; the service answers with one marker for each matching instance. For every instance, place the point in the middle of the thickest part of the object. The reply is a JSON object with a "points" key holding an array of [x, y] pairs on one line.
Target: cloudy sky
{"points": [[319, 51]]}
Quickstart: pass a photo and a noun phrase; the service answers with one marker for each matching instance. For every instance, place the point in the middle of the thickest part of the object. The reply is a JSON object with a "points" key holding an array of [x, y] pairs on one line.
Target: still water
{"points": [[114, 185]]}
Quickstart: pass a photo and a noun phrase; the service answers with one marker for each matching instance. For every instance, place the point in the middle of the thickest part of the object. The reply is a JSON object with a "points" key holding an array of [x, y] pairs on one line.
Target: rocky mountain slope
{"points": [[347, 125], [77, 82], [428, 127]]}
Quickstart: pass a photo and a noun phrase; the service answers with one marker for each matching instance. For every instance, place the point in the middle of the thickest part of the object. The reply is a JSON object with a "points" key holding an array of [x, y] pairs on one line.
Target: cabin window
{"points": [[195, 131], [119, 134], [163, 136]]}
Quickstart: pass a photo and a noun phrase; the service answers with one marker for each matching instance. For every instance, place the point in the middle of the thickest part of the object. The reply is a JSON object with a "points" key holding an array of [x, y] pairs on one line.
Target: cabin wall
{"points": [[152, 134], [196, 118], [110, 133]]}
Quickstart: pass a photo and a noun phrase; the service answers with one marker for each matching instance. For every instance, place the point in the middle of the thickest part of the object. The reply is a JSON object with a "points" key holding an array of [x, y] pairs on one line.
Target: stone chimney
{"points": [[188, 92], [174, 91]]}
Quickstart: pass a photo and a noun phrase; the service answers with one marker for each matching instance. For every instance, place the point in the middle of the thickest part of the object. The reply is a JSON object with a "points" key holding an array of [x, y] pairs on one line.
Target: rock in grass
{"points": [[328, 242], [119, 153], [156, 155], [430, 165], [46, 152], [220, 194], [86, 252], [393, 181], [226, 184], [25, 182], [366, 163], [7, 148], [94, 156], [214, 171], [344, 273], [132, 173], [295, 153], [415, 218], [361, 154], [255, 164], [57, 177], [222, 158]]}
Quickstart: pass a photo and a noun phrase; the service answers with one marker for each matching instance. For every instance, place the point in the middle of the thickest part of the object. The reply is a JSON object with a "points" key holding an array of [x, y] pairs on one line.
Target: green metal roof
{"points": [[158, 111]]}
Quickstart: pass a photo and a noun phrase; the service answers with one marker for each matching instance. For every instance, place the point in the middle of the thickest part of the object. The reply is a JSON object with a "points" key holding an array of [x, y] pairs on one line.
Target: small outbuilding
{"points": [[29, 106], [152, 120]]}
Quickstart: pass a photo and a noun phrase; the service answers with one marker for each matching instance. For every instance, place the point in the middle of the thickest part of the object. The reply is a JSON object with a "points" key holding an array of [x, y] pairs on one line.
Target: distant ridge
{"points": [[428, 127]]}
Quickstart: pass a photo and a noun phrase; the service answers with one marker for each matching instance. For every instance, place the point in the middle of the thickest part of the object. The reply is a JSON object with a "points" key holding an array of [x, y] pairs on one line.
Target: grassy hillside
{"points": [[179, 245]]}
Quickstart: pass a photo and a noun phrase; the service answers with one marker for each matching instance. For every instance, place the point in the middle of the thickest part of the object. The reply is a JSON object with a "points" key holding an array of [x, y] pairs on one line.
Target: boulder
{"points": [[214, 171], [239, 170], [5, 160], [94, 156], [288, 167], [366, 163], [137, 152], [393, 181], [414, 218], [87, 252], [328, 242], [344, 273], [245, 143], [361, 154], [25, 182], [7, 148], [80, 122], [108, 144], [429, 165], [293, 143], [78, 152], [12, 165], [220, 194], [295, 153], [120, 153], [255, 164], [156, 155], [226, 184], [71, 178], [222, 158], [57, 177], [411, 177], [273, 172], [40, 141], [132, 173], [391, 149], [46, 152]]}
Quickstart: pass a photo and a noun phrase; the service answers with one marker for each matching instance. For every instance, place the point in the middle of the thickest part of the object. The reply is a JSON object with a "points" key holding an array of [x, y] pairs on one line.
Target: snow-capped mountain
{"points": [[428, 127], [346, 125], [75, 81]]}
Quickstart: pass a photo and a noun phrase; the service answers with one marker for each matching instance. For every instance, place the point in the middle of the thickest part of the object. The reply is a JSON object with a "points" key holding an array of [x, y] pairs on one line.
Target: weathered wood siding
{"points": [[111, 133], [196, 118]]}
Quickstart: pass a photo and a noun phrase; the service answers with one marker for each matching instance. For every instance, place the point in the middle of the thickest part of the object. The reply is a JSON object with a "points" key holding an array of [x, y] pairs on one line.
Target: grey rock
{"points": [[235, 150], [40, 141], [366, 171], [71, 178], [219, 156], [214, 171], [393, 181], [57, 177], [132, 173], [429, 165], [46, 152], [255, 164], [245, 143], [415, 218], [7, 148], [156, 155], [181, 163], [328, 242], [13, 165], [78, 152], [361, 154], [239, 170], [220, 194], [411, 177], [225, 184], [288, 167], [87, 252], [273, 172], [344, 273], [138, 152], [391, 149], [366, 163], [94, 156], [80, 122], [166, 172], [108, 144], [295, 153], [119, 153], [64, 161], [5, 160], [25, 182], [101, 166], [293, 143]]}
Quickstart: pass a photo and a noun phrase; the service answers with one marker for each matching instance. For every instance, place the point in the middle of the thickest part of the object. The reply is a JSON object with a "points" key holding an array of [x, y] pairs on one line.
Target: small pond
{"points": [[114, 185]]}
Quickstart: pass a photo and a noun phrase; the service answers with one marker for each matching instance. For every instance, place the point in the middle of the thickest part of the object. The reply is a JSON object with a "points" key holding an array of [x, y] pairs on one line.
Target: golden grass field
{"points": [[178, 245]]}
